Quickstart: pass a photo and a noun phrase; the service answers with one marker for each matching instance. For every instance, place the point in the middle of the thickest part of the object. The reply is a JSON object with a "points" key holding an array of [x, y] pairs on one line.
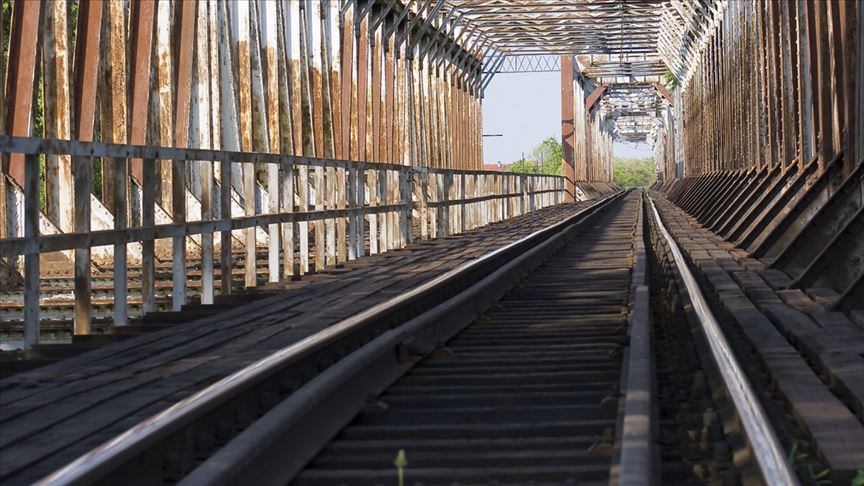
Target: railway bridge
{"points": [[253, 242]]}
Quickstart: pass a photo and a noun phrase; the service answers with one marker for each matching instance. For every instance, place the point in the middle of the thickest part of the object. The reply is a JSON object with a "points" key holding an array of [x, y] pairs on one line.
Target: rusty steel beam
{"points": [[113, 93], [375, 128], [338, 176], [835, 27], [665, 93], [183, 86], [314, 25], [594, 97], [240, 12], [228, 127], [849, 12], [823, 83], [20, 80], [568, 130], [201, 134], [141, 38], [86, 75], [806, 132], [87, 67], [344, 147], [300, 121], [2, 79], [57, 114], [333, 49], [269, 51], [185, 49], [362, 91]]}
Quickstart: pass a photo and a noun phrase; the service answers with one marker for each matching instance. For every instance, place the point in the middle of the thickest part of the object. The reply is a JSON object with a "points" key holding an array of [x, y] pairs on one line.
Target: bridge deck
{"points": [[812, 354], [51, 415]]}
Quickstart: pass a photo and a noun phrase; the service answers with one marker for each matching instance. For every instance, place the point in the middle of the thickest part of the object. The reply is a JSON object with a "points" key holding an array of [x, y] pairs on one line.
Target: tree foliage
{"points": [[545, 158], [6, 6], [634, 172], [672, 81]]}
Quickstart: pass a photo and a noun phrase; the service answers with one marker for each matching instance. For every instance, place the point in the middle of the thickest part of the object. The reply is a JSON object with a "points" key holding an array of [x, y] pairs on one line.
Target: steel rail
{"points": [[769, 453], [100, 461], [269, 451]]}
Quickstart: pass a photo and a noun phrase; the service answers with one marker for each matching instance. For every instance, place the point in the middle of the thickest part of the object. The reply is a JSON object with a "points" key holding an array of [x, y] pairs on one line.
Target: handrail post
{"points": [[406, 200], [522, 194], [178, 263], [532, 193], [421, 187], [31, 260], [287, 189], [148, 246], [121, 178], [224, 213], [353, 206], [361, 214], [82, 170], [383, 227], [462, 208]]}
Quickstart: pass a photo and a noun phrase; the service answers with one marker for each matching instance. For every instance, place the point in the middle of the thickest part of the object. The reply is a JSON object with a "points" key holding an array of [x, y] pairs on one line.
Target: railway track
{"points": [[528, 392], [532, 363]]}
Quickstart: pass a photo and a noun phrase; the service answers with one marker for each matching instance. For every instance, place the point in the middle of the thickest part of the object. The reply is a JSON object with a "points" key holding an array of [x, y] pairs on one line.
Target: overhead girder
{"points": [[637, 41]]}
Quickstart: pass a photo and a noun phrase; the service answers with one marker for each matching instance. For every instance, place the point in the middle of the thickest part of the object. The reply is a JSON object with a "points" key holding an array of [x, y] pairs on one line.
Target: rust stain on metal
{"points": [[184, 73], [141, 38], [362, 91], [57, 116], [165, 90], [87, 67], [347, 84], [23, 41]]}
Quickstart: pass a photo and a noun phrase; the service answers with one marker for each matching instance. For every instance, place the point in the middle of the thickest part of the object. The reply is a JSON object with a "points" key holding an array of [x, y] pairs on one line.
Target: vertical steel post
{"points": [[31, 261], [229, 128], [852, 82], [115, 192], [823, 83], [82, 170], [334, 31], [200, 134], [3, 100], [86, 72], [269, 37], [568, 134], [113, 93], [121, 181], [141, 38], [806, 139], [58, 168], [183, 86], [23, 42], [165, 106], [148, 220]]}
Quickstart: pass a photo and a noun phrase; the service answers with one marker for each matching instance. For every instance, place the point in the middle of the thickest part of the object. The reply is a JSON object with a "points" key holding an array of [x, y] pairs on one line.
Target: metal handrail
{"points": [[766, 447], [92, 465], [152, 153]]}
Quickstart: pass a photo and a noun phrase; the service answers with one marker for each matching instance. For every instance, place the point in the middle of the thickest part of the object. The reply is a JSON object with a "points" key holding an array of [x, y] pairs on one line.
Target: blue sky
{"points": [[525, 109]]}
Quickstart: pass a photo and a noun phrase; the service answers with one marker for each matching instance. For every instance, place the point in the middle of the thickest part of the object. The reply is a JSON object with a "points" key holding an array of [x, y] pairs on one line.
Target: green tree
{"points": [[545, 158], [525, 166], [634, 172]]}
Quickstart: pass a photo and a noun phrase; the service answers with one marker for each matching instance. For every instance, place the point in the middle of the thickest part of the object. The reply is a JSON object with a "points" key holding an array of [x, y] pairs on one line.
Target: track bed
{"points": [[528, 392]]}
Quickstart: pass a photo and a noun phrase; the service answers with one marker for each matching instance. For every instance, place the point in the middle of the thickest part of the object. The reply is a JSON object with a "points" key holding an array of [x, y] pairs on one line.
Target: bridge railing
{"points": [[453, 201], [309, 213]]}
